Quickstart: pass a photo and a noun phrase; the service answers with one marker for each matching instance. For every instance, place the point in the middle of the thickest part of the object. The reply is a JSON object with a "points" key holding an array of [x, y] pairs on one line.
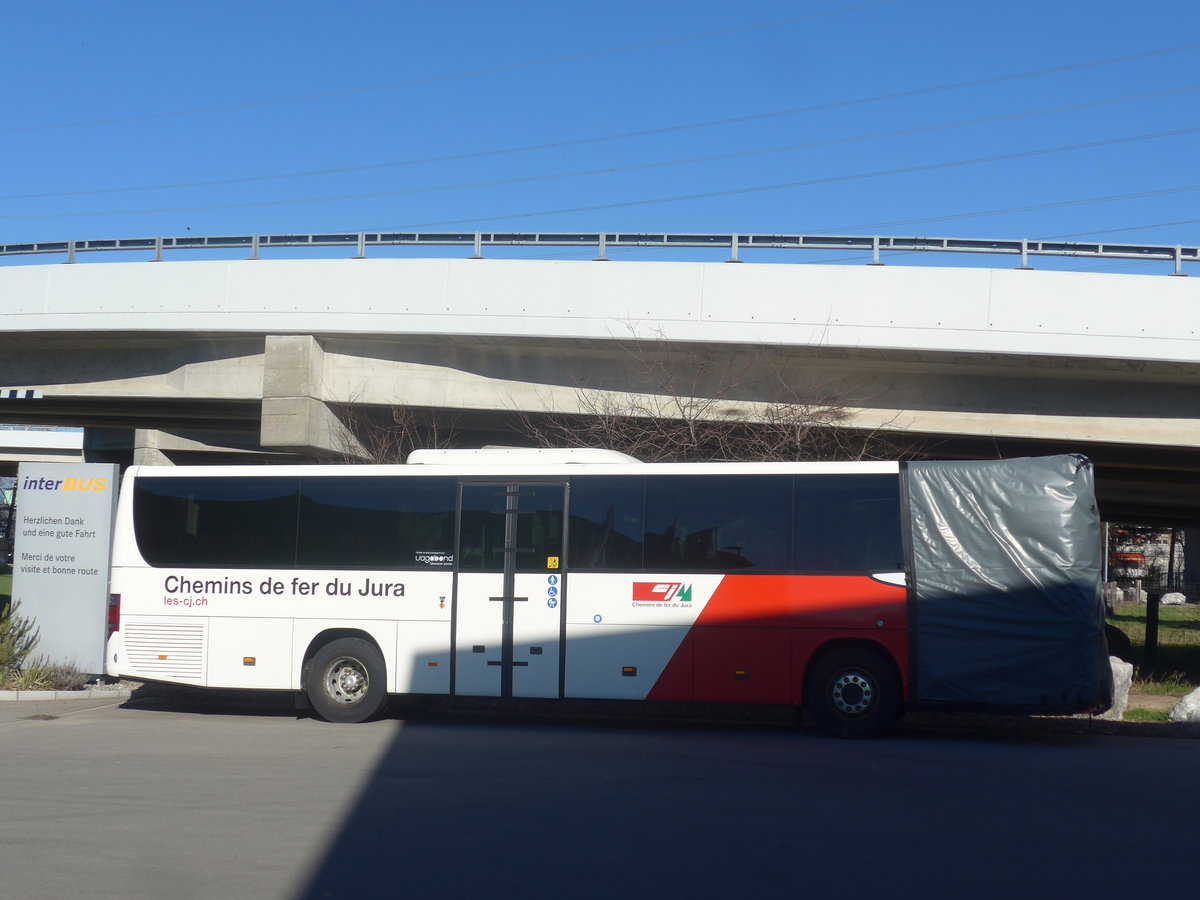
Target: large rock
{"points": [[1187, 709], [1173, 599], [1122, 681], [1133, 595], [1113, 596]]}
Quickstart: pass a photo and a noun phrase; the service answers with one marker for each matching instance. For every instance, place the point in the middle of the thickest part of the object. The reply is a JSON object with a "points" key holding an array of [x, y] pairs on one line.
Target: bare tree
{"points": [[670, 402], [683, 404], [389, 434]]}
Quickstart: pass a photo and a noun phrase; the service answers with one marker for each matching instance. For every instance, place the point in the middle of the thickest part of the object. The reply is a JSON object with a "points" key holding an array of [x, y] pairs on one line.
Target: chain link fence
{"points": [[1159, 619]]}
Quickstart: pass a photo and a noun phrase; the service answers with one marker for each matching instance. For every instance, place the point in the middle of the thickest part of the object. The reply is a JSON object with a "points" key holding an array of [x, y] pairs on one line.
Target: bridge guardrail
{"points": [[602, 241]]}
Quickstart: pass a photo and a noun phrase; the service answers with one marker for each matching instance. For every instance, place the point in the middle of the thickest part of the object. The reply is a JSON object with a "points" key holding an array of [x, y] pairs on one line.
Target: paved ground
{"points": [[204, 800], [1155, 702]]}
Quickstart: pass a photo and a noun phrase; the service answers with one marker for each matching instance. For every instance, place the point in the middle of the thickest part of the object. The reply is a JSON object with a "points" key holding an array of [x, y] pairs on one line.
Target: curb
{"points": [[1004, 725], [912, 723], [17, 696]]}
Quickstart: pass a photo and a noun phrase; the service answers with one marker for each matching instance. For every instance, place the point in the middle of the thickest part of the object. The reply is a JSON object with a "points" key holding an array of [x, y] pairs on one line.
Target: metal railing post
{"points": [[1024, 255], [875, 261], [602, 249], [1150, 642], [253, 247], [478, 254], [733, 249]]}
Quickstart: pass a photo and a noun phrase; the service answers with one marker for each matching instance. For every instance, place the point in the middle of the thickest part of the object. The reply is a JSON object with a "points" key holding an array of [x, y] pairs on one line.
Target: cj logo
{"points": [[661, 592]]}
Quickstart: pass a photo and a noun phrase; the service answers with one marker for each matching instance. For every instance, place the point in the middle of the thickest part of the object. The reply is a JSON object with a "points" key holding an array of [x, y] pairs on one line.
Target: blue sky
{"points": [[913, 117]]}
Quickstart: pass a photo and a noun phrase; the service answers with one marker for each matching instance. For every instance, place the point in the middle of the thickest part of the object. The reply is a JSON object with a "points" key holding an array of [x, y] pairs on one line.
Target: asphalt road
{"points": [[184, 801]]}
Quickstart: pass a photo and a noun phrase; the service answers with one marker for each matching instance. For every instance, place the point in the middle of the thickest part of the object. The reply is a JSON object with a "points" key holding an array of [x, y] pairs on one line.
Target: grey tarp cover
{"points": [[1004, 595]]}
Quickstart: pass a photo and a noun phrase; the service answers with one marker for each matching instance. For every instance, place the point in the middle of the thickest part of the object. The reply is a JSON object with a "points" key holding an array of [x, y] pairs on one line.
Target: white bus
{"points": [[583, 574]]}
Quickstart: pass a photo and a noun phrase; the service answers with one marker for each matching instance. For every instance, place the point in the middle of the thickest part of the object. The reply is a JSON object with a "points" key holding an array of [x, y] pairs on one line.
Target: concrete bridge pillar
{"points": [[295, 416], [147, 449]]}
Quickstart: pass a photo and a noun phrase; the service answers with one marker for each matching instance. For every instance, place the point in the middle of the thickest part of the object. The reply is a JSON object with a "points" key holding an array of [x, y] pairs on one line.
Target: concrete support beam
{"points": [[308, 427], [147, 450], [19, 445], [295, 416], [156, 447]]}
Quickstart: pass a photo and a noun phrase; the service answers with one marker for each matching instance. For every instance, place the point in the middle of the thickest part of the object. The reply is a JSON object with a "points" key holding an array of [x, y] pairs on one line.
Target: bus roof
{"points": [[515, 465], [487, 456]]}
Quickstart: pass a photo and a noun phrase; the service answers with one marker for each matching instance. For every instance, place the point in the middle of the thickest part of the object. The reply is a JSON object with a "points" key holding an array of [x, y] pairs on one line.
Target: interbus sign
{"points": [[63, 541], [44, 483]]}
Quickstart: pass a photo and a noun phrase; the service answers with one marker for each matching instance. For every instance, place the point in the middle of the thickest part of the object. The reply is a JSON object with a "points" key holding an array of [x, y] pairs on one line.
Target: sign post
{"points": [[61, 554]]}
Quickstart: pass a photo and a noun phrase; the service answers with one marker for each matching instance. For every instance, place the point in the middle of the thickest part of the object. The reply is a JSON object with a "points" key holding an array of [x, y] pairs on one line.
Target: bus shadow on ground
{"points": [[213, 701], [535, 799], [633, 714]]}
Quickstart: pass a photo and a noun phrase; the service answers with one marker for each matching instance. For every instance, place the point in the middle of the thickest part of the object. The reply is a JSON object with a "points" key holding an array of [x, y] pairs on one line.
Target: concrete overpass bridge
{"points": [[182, 361]]}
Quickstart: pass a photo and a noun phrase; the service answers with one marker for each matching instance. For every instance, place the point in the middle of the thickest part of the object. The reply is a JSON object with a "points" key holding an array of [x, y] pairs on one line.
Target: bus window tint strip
{"points": [[737, 523], [820, 524], [354, 522]]}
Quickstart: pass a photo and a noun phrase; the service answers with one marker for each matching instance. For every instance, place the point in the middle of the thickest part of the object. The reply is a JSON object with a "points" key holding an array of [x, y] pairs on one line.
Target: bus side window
{"points": [[375, 522], [721, 523], [606, 522], [217, 521], [848, 524]]}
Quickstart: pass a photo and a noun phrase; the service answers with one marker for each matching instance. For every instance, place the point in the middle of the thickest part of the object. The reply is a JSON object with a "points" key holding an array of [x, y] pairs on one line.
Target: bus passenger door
{"points": [[509, 590]]}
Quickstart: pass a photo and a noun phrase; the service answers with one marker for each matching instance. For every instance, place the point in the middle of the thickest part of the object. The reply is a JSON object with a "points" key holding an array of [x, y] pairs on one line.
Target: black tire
{"points": [[346, 681], [1119, 644], [853, 692]]}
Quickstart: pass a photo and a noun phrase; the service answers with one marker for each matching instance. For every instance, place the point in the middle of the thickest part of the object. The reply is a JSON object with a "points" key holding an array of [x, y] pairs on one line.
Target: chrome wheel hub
{"points": [[853, 692], [346, 681]]}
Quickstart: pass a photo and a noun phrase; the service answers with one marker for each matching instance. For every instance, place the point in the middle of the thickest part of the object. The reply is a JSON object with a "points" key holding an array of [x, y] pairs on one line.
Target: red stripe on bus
{"points": [[751, 643]]}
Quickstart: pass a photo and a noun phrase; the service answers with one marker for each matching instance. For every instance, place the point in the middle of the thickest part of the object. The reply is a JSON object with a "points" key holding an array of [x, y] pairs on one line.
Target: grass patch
{"points": [[1173, 683], [1182, 621], [1147, 715], [1177, 662]]}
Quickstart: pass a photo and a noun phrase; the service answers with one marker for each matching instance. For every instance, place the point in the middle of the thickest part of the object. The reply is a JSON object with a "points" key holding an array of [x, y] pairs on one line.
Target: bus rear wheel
{"points": [[347, 681], [853, 692]]}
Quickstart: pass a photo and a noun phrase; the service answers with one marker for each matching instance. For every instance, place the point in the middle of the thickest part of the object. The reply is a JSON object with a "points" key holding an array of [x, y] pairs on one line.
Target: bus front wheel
{"points": [[853, 692], [346, 681]]}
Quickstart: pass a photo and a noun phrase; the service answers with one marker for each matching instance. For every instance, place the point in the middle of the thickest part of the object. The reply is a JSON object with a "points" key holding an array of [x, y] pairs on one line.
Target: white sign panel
{"points": [[61, 555]]}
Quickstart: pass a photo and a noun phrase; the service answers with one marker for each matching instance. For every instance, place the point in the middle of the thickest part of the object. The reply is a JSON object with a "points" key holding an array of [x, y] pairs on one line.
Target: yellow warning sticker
{"points": [[551, 562]]}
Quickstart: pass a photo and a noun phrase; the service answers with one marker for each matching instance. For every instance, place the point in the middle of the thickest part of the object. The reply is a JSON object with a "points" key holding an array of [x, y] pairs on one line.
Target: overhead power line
{"points": [[1056, 237], [901, 132], [858, 176], [978, 214], [832, 179], [449, 76]]}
